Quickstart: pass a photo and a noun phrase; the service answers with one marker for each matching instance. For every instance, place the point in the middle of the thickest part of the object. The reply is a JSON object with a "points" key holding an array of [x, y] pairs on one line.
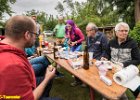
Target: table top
{"points": [[91, 78]]}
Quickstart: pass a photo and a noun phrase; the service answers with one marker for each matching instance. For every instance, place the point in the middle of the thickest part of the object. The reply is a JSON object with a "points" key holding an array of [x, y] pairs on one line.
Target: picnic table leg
{"points": [[91, 94]]}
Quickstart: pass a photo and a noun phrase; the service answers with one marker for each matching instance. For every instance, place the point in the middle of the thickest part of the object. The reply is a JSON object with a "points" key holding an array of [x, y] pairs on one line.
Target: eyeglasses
{"points": [[89, 30], [123, 30], [34, 33]]}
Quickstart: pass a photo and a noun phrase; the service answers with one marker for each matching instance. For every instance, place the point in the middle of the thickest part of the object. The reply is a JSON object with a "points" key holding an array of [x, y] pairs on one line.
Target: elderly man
{"points": [[123, 49], [16, 74], [97, 41]]}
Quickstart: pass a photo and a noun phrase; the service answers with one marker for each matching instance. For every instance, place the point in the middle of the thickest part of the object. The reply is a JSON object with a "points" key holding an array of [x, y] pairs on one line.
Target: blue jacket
{"points": [[98, 45]]}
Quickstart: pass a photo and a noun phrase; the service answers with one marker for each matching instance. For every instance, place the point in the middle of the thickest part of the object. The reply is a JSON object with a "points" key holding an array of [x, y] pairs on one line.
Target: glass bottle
{"points": [[86, 58], [55, 51]]}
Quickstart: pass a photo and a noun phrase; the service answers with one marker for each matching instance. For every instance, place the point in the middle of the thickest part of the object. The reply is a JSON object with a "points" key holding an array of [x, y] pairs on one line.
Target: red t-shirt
{"points": [[16, 74]]}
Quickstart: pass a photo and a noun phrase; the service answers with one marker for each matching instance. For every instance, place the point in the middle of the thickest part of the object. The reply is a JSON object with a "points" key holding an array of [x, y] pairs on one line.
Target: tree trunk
{"points": [[137, 11]]}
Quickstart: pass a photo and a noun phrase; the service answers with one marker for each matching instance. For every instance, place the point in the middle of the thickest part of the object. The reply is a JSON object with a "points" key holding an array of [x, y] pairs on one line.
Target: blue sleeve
{"points": [[29, 51]]}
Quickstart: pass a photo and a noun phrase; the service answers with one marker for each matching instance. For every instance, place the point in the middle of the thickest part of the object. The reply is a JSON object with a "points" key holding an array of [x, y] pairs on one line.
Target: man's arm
{"points": [[40, 89], [105, 47], [135, 54]]}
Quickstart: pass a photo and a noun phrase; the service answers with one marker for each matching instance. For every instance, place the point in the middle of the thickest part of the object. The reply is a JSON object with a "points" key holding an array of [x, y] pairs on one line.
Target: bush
{"points": [[135, 33], [49, 25]]}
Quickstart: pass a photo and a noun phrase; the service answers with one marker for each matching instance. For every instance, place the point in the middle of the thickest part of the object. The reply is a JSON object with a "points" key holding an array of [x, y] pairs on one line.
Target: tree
{"points": [[129, 10], [5, 7], [46, 22], [137, 10], [60, 8]]}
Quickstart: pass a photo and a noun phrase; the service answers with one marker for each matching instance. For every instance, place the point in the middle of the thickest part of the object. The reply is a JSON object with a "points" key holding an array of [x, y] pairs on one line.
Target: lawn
{"points": [[61, 88]]}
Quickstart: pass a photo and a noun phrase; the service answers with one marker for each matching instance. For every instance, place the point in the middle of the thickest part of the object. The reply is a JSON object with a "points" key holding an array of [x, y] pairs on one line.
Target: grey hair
{"points": [[92, 25], [117, 27]]}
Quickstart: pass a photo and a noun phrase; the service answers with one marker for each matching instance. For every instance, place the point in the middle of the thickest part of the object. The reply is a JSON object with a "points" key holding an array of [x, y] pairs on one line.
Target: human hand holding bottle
{"points": [[50, 72]]}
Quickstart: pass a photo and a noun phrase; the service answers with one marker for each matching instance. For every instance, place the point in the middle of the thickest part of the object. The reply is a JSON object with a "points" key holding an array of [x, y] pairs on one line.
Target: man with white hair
{"points": [[124, 50], [59, 30]]}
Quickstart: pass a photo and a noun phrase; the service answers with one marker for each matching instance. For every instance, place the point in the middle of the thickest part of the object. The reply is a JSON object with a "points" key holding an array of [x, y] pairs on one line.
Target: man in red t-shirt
{"points": [[16, 74]]}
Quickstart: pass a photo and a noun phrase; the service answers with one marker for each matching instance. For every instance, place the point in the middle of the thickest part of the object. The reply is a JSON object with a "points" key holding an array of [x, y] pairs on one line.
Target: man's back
{"points": [[16, 74]]}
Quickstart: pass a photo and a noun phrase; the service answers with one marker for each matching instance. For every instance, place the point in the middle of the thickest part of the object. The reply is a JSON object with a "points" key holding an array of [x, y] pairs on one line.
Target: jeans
{"points": [[76, 48], [39, 65]]}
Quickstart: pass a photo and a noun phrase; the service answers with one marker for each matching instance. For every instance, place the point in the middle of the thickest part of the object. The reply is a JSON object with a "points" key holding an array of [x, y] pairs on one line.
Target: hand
{"points": [[73, 43], [50, 72], [29, 58], [119, 64], [35, 55]]}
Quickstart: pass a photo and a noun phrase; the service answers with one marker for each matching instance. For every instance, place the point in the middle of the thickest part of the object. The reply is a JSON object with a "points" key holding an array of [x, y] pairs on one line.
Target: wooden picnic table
{"points": [[91, 78]]}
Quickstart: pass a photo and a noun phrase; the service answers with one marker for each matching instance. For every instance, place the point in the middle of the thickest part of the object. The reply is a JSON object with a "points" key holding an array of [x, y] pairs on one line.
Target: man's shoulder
{"points": [[101, 34]]}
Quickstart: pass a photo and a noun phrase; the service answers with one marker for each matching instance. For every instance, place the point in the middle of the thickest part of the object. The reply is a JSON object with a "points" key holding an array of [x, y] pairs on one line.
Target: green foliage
{"points": [[59, 8], [135, 33], [47, 22], [50, 25], [32, 12], [82, 25], [124, 9], [5, 8]]}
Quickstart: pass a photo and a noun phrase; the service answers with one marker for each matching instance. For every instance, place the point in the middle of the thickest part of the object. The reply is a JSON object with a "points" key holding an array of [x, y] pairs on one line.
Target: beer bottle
{"points": [[55, 51], [40, 52], [86, 58], [43, 44]]}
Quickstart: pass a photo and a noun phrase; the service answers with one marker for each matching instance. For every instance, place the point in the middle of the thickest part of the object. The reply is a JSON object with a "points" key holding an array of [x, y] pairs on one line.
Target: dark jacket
{"points": [[98, 45], [126, 52]]}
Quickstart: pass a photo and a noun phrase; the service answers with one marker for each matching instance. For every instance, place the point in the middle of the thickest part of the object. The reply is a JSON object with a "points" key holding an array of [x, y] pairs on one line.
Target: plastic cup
{"points": [[102, 70], [90, 58]]}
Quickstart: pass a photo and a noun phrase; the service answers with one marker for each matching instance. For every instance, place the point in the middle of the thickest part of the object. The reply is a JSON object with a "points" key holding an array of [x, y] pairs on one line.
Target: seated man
{"points": [[39, 63], [16, 73], [123, 49], [97, 41]]}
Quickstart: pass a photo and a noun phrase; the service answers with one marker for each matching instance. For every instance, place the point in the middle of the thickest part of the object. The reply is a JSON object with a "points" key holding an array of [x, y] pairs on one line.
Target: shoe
{"points": [[75, 83], [60, 75], [83, 85]]}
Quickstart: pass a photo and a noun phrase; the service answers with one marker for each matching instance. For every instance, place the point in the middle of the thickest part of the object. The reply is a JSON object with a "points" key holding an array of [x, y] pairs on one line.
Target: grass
{"points": [[61, 88]]}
